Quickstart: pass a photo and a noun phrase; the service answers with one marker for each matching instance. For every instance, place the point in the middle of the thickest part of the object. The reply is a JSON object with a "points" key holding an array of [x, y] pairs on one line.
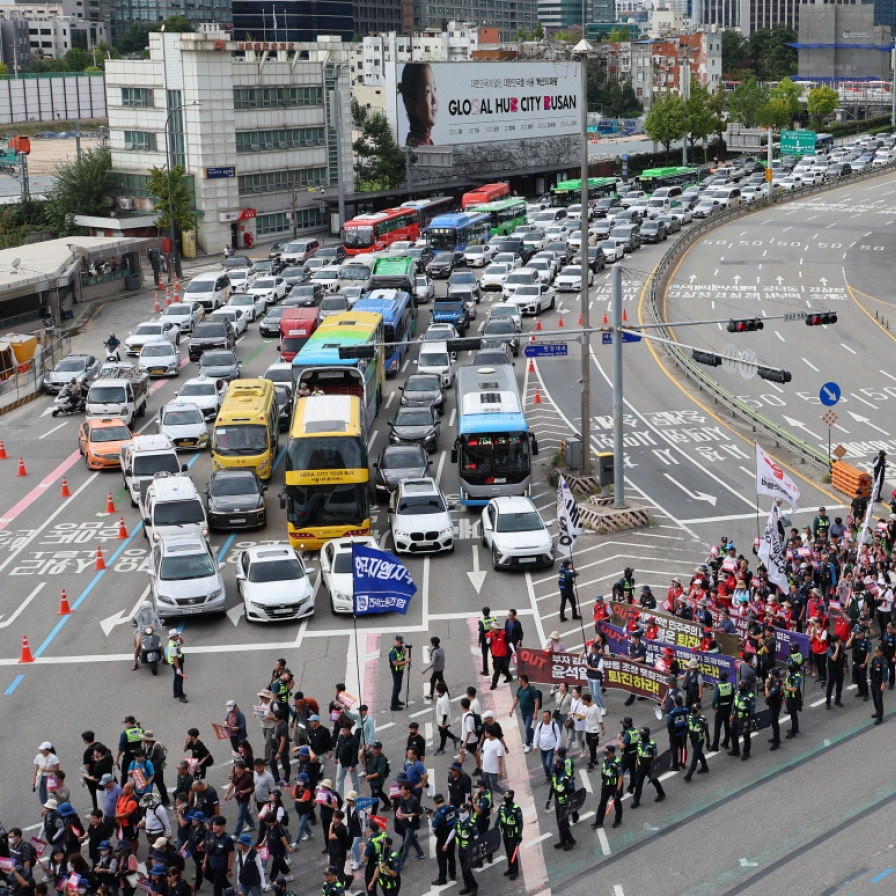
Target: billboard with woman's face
{"points": [[451, 103]]}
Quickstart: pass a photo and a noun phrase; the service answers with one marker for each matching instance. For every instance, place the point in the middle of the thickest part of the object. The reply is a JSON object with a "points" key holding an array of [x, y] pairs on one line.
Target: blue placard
{"points": [[220, 171], [382, 584], [607, 338], [624, 157], [546, 351], [829, 394], [364, 802]]}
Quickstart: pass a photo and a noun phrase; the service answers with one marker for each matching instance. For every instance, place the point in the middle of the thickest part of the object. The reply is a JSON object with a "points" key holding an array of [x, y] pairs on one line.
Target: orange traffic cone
{"points": [[167, 296], [122, 530], [560, 321], [156, 308], [100, 562], [26, 651], [22, 470], [531, 366], [64, 608], [538, 324], [64, 492], [110, 506], [624, 316], [3, 454], [537, 396], [580, 318], [605, 322]]}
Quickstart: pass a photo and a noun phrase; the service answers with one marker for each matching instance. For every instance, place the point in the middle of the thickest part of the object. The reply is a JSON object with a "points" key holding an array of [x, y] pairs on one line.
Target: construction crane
{"points": [[14, 152]]}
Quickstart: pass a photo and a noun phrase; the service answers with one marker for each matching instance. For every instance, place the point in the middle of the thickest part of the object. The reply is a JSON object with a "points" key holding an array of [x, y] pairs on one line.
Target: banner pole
{"points": [[358, 657], [578, 606]]}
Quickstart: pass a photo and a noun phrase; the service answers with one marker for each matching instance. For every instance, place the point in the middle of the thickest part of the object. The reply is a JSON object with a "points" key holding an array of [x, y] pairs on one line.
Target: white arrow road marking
{"points": [[867, 422], [234, 613], [779, 279], [47, 412], [736, 278], [798, 425], [22, 606], [692, 278], [122, 616], [823, 281], [697, 496], [476, 577]]}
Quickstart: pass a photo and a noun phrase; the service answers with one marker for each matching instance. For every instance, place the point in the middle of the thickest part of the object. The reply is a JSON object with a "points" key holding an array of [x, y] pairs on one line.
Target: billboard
{"points": [[454, 103]]}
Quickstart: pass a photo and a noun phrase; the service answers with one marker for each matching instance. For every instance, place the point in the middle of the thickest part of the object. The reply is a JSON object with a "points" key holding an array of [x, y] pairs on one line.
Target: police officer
{"points": [[332, 886], [485, 626], [464, 833], [742, 711], [443, 822], [628, 740], [637, 653], [610, 787], [562, 792], [677, 724], [860, 644], [565, 581], [398, 659], [880, 673], [129, 742], [510, 823], [774, 697], [388, 871], [627, 583], [481, 807], [821, 525], [888, 650], [792, 683], [373, 850], [722, 698], [647, 753], [698, 730]]}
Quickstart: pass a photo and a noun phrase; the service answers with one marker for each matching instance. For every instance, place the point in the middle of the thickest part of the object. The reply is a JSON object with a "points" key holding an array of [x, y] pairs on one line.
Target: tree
{"points": [[539, 31], [619, 34], [735, 55], [821, 102], [701, 119], [745, 101], [136, 38], [77, 60], [82, 188], [780, 60], [380, 161], [789, 95], [666, 121], [4, 69], [157, 184]]}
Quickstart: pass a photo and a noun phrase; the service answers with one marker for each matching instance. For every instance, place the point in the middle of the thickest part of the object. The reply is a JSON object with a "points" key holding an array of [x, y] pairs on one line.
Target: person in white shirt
{"points": [[469, 743], [443, 718], [475, 705], [577, 716], [45, 763], [492, 759], [594, 727], [546, 739]]}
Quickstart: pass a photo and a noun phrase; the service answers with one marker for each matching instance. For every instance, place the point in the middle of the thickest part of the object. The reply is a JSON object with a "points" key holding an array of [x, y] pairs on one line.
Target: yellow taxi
{"points": [[100, 441]]}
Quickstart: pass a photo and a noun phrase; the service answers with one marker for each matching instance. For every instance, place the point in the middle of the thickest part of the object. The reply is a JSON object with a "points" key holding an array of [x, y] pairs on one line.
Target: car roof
{"points": [[344, 545], [424, 486], [181, 405], [268, 553], [178, 543], [513, 504], [173, 488], [105, 422]]}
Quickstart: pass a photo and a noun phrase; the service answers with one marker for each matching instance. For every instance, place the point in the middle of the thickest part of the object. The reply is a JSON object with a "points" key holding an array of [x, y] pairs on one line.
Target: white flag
{"points": [[274, 19], [772, 553], [569, 520], [879, 473], [772, 480]]}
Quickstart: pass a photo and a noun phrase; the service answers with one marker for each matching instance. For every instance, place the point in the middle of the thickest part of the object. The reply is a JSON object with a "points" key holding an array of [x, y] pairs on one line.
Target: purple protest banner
{"points": [[783, 637]]}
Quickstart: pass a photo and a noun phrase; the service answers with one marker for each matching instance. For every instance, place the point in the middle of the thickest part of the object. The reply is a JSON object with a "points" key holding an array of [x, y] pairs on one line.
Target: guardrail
{"points": [[657, 293]]}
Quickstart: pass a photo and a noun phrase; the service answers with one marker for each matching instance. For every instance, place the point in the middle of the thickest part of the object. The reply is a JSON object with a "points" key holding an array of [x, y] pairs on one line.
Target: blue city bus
{"points": [[493, 449], [399, 322], [455, 232]]}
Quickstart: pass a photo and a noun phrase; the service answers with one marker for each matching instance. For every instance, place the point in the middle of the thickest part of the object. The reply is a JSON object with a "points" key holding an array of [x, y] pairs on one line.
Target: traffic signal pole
{"points": [[618, 457]]}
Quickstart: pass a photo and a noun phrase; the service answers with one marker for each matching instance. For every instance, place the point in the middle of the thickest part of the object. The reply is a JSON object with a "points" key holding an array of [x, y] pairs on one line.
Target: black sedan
{"points": [[501, 331], [442, 265], [596, 259], [270, 323], [235, 500], [306, 295], [284, 405], [418, 426], [399, 462], [423, 390], [294, 275], [219, 365], [653, 232]]}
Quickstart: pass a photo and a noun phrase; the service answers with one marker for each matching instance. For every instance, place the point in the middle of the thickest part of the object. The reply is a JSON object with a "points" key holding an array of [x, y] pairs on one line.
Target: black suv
{"points": [[211, 334]]}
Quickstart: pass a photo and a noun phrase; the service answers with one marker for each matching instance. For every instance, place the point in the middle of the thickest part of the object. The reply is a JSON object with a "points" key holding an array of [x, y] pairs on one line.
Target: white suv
{"points": [[420, 518]]}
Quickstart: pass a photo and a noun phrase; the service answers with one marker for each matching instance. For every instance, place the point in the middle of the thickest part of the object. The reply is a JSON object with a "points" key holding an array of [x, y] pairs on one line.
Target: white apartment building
{"points": [[51, 29], [255, 126]]}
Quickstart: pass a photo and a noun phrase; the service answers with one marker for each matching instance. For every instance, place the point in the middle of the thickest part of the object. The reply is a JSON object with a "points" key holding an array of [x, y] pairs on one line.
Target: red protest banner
{"points": [[379, 821], [221, 731]]}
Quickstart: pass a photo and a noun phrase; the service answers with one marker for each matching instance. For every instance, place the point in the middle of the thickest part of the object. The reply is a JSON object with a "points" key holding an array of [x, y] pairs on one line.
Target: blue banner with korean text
{"points": [[381, 582]]}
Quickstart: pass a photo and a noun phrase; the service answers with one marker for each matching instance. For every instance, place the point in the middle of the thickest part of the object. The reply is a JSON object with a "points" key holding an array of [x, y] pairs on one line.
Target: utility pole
{"points": [[685, 86], [618, 456], [893, 87]]}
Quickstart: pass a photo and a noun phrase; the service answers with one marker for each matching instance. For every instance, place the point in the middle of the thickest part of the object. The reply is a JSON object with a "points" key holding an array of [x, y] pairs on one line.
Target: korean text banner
{"points": [[783, 637], [452, 103], [382, 584], [620, 673]]}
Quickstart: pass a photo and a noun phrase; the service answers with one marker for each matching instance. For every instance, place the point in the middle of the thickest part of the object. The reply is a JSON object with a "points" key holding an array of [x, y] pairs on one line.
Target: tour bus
{"points": [[399, 322], [427, 209], [246, 431], [326, 493], [376, 231], [505, 215], [449, 233], [483, 194]]}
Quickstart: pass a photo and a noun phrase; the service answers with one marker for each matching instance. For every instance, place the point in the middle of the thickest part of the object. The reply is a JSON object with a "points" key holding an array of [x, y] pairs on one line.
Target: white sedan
{"points": [[241, 279], [184, 314], [271, 289], [570, 279], [478, 256], [509, 258], [506, 311], [274, 583], [424, 289], [494, 276], [683, 214], [160, 358], [613, 249], [253, 305], [150, 331], [206, 393], [534, 298], [514, 532], [184, 424], [336, 570], [238, 317]]}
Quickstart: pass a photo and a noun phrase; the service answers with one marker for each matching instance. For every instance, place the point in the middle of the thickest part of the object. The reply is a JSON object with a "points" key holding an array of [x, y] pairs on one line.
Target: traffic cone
{"points": [[537, 396], [110, 506], [64, 492], [538, 324], [624, 316], [122, 530], [64, 608], [531, 366], [605, 322], [156, 308], [560, 321], [100, 562], [26, 651], [580, 318], [176, 286], [3, 454], [22, 470], [167, 296]]}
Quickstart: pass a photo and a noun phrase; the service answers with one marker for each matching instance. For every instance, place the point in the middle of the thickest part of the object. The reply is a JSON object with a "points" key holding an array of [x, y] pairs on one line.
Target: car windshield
{"points": [[70, 365], [607, 244], [107, 394], [496, 269], [444, 258], [209, 285], [520, 277], [498, 311], [162, 350], [401, 458], [147, 330], [433, 359], [177, 310], [230, 486], [498, 327], [247, 438], [178, 513], [274, 313], [343, 563], [420, 281], [150, 464], [109, 434], [421, 504], [276, 570], [422, 384], [182, 567], [354, 272], [475, 250], [182, 417], [526, 521], [209, 331], [413, 418], [264, 284], [231, 314], [334, 303], [218, 359], [528, 290], [194, 389], [447, 307], [302, 292], [242, 300], [571, 271], [325, 275]]}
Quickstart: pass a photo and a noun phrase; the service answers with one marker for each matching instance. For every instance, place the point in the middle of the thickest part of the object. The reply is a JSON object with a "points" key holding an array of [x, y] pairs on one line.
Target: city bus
{"points": [[654, 178], [569, 192], [505, 215], [428, 209], [493, 448], [393, 272], [376, 231], [456, 232], [399, 322], [485, 193], [247, 431], [326, 492], [318, 364]]}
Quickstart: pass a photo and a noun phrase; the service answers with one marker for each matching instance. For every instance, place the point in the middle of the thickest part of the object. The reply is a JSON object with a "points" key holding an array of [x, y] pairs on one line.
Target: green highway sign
{"points": [[797, 142]]}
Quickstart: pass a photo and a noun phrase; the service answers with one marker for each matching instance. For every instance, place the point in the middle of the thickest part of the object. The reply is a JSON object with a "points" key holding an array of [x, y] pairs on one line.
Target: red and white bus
{"points": [[430, 208], [484, 194], [376, 231]]}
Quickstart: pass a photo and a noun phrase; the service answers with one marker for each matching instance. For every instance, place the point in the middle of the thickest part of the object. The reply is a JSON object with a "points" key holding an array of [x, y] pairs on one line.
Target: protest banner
{"points": [[221, 731]]}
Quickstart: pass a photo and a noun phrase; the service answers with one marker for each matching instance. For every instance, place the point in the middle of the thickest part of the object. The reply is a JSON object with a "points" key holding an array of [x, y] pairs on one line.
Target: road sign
{"points": [[799, 142], [839, 452], [829, 394], [607, 338], [624, 157], [830, 418], [546, 351]]}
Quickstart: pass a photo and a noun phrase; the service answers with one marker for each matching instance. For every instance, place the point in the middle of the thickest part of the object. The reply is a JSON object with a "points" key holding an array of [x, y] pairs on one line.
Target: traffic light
{"points": [[360, 351], [744, 326], [773, 375], [710, 359], [820, 319]]}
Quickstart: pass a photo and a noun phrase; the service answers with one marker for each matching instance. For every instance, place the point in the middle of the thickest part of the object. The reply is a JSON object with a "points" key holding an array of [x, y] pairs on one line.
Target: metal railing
{"points": [[657, 294]]}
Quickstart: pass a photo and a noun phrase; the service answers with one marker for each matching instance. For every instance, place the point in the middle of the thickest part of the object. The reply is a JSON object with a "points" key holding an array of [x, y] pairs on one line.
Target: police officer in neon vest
{"points": [[398, 660], [485, 626], [562, 792], [174, 656], [373, 850], [510, 823], [698, 729], [388, 871], [443, 821], [722, 699], [774, 698], [332, 886], [128, 742], [627, 583], [482, 806], [742, 711], [792, 703], [861, 659], [610, 787], [628, 740], [647, 753], [464, 833]]}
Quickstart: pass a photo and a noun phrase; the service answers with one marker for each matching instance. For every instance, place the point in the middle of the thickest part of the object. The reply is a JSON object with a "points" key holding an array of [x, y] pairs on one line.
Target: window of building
{"points": [[266, 97], [283, 138], [137, 97], [134, 186], [278, 222], [140, 141], [281, 181]]}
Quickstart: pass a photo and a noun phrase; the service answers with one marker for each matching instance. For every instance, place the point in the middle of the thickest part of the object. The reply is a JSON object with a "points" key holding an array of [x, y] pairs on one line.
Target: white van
{"points": [[172, 506], [727, 196], [142, 458], [211, 290], [549, 216], [658, 205], [299, 251], [435, 358]]}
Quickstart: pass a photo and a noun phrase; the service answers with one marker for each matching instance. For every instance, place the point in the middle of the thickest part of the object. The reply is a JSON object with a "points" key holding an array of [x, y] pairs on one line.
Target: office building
{"points": [[53, 29], [15, 42], [555, 14], [379, 16], [124, 13], [507, 17], [301, 21], [843, 43]]}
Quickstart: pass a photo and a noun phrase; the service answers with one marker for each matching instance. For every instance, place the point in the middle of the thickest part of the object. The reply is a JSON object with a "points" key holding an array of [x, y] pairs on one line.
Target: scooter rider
{"points": [[112, 344], [145, 617]]}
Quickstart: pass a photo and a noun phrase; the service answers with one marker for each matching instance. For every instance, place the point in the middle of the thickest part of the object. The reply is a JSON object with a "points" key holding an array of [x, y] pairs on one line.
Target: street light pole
{"points": [[618, 455], [685, 95]]}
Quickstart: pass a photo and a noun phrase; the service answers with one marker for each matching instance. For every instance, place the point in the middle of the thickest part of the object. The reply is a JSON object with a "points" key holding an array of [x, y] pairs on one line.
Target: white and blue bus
{"points": [[449, 233], [397, 312], [494, 448]]}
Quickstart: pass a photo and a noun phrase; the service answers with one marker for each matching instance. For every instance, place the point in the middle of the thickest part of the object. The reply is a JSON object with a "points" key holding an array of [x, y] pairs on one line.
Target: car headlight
{"points": [[341, 597], [448, 531], [400, 534], [257, 606], [215, 594], [163, 598]]}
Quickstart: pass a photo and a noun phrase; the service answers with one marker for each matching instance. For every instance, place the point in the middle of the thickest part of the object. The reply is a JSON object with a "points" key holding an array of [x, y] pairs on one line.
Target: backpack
{"points": [[679, 718], [478, 728], [388, 768]]}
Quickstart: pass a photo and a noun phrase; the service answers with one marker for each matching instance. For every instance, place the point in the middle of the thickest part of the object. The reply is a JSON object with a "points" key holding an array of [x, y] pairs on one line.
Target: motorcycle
{"points": [[112, 353], [72, 399], [151, 649]]}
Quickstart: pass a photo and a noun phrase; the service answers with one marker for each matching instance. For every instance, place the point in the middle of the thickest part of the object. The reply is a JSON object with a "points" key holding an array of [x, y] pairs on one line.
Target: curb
{"points": [[20, 401]]}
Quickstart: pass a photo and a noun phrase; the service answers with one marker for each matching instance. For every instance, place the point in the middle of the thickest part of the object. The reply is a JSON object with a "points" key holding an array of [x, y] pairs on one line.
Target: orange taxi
{"points": [[100, 441]]}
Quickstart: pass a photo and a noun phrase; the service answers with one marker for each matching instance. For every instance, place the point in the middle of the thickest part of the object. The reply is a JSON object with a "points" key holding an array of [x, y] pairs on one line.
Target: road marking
{"points": [[15, 683], [53, 430], [604, 842], [22, 606], [389, 400], [617, 890], [586, 781], [780, 336], [535, 840], [451, 418], [404, 366], [880, 877], [439, 468], [847, 347], [422, 712], [811, 365], [39, 489], [372, 439]]}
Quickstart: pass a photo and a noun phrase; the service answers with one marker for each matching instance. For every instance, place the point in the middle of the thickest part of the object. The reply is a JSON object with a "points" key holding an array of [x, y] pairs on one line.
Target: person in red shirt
{"points": [[126, 816], [497, 639], [601, 610], [653, 630], [675, 591]]}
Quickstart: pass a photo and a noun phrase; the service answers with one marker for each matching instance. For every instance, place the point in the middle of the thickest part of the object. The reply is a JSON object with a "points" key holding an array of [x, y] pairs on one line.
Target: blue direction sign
{"points": [[607, 338], [546, 351], [830, 394]]}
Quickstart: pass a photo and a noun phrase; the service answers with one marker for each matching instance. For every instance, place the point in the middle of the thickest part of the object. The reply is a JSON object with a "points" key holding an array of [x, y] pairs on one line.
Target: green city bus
{"points": [[654, 178], [505, 215], [569, 192]]}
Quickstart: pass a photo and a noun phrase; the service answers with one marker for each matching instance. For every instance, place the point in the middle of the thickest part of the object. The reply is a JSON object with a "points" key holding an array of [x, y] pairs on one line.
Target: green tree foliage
{"points": [[619, 34], [4, 69], [821, 102], [701, 117], [539, 31], [157, 184], [735, 55], [745, 102], [136, 38], [667, 121], [765, 55], [380, 161], [616, 100], [82, 188]]}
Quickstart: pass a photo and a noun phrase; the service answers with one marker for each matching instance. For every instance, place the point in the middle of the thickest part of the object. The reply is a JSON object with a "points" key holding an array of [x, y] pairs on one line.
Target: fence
{"points": [[51, 99], [29, 377]]}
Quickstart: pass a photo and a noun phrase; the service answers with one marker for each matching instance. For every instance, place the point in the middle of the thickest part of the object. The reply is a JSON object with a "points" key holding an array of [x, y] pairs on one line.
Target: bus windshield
{"points": [[487, 456], [442, 237], [231, 441], [326, 453], [332, 505], [358, 237]]}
